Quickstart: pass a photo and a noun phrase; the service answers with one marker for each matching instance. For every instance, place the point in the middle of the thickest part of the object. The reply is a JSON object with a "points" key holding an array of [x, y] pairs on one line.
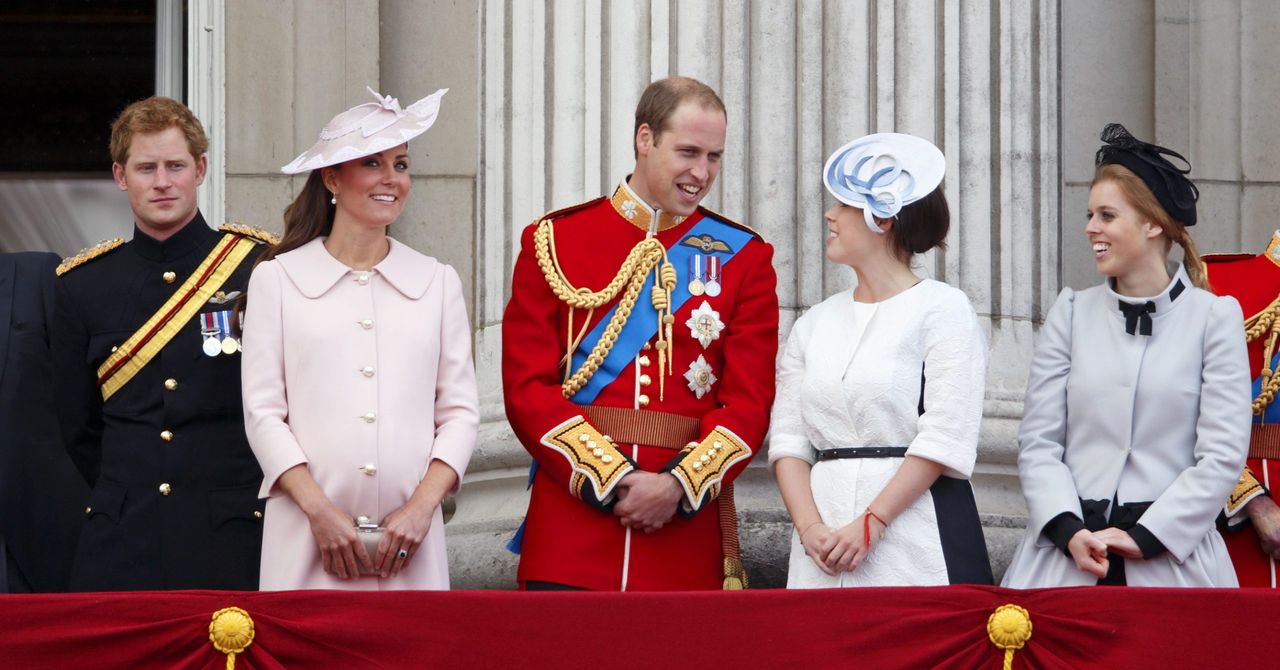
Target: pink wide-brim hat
{"points": [[368, 129]]}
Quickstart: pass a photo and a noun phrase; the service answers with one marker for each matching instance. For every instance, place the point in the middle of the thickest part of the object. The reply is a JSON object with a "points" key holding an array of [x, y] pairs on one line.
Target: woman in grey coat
{"points": [[1136, 420]]}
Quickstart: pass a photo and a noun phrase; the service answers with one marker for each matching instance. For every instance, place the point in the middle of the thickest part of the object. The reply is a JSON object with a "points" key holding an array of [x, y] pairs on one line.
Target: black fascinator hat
{"points": [[1167, 181]]}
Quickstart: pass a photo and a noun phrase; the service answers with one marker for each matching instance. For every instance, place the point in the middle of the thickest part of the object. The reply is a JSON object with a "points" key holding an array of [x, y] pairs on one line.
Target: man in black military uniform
{"points": [[41, 494], [149, 367]]}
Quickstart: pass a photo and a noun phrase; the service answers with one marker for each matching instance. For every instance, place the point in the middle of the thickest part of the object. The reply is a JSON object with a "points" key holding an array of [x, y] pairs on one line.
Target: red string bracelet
{"points": [[866, 527]]}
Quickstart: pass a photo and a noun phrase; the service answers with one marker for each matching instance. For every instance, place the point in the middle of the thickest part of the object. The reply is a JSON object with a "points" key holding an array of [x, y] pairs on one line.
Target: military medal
{"points": [[713, 276], [696, 287], [210, 329], [229, 343], [704, 324], [700, 377]]}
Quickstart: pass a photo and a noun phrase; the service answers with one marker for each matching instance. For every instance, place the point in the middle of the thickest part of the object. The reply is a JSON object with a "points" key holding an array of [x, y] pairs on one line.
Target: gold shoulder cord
{"points": [[1265, 322], [647, 256]]}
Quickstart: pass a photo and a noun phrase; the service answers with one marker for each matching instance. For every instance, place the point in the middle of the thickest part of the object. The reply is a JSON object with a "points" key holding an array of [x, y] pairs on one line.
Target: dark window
{"points": [[67, 68]]}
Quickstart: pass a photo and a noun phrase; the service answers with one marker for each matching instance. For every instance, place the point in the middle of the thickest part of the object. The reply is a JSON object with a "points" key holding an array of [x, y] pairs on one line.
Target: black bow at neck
{"points": [[1137, 315]]}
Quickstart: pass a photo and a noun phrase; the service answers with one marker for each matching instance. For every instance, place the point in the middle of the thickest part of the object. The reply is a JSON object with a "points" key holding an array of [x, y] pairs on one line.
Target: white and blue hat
{"points": [[882, 173]]}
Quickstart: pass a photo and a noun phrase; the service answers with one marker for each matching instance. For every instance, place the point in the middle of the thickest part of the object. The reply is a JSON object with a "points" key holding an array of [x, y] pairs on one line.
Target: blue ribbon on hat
{"points": [[882, 173], [877, 192]]}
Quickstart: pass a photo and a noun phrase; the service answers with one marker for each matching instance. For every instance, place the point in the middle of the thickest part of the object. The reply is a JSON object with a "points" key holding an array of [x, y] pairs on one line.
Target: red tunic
{"points": [[1255, 282], [571, 536]]}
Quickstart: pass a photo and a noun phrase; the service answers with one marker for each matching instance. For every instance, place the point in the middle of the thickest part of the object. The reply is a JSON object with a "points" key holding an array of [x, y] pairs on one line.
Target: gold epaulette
{"points": [[735, 224], [253, 232], [88, 254]]}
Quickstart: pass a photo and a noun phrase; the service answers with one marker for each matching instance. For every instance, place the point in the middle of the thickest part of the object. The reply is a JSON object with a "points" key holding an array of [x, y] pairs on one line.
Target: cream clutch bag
{"points": [[371, 535]]}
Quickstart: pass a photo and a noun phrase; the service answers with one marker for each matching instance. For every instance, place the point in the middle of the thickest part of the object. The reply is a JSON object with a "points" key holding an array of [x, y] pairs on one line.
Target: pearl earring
{"points": [[334, 199]]}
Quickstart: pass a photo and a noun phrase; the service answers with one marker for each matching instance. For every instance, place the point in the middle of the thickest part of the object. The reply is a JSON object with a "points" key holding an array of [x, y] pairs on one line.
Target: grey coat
{"points": [[1161, 418]]}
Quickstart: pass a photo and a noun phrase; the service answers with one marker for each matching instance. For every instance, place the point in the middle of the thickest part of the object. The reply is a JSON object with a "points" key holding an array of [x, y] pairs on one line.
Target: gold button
{"points": [[88, 510], [369, 469], [366, 324], [644, 360], [166, 435], [369, 417], [171, 384], [165, 489], [644, 400], [646, 347], [362, 279], [718, 444], [257, 514], [584, 437], [697, 465], [170, 277], [367, 370], [113, 349], [645, 380], [606, 459], [597, 452]]}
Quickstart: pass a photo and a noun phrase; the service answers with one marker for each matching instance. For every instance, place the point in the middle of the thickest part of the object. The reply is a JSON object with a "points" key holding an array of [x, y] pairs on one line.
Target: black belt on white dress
{"points": [[861, 452]]}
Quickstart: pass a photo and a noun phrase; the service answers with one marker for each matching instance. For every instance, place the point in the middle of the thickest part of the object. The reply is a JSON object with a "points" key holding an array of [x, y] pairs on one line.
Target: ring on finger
{"points": [[402, 554]]}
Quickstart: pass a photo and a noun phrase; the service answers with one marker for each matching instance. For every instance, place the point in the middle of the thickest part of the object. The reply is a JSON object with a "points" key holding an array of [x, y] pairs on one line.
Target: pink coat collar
{"points": [[314, 271]]}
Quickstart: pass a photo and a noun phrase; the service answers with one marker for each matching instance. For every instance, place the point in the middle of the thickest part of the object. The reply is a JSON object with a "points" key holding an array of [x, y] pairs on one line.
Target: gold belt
{"points": [[646, 427], [1265, 441]]}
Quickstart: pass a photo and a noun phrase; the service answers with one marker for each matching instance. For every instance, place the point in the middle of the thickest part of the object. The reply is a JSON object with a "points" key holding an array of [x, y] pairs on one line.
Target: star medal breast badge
{"points": [[704, 324], [700, 377]]}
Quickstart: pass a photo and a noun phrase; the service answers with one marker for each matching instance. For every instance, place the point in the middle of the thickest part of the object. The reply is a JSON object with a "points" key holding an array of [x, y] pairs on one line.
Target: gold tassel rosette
{"points": [[647, 256], [1009, 628], [231, 632]]}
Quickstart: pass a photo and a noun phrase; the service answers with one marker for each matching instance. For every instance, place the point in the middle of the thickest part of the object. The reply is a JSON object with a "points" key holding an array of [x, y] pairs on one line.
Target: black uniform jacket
{"points": [[175, 502], [42, 498]]}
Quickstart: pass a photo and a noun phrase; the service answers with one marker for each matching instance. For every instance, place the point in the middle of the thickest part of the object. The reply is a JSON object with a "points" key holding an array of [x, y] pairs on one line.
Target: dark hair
{"points": [[922, 225], [153, 115], [661, 99], [309, 216]]}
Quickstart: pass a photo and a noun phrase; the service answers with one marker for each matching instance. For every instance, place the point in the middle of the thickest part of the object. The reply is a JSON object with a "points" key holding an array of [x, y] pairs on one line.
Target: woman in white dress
{"points": [[875, 426], [1136, 420]]}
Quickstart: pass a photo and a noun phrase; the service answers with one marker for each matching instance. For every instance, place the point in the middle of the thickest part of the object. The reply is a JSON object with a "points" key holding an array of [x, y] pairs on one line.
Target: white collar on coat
{"points": [[314, 271]]}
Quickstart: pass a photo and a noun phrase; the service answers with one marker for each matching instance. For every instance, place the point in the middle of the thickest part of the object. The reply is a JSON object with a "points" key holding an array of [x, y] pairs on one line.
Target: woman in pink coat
{"points": [[359, 391]]}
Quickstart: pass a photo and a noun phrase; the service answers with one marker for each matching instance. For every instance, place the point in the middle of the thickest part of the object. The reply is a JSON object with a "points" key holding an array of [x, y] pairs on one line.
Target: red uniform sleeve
{"points": [[551, 428]]}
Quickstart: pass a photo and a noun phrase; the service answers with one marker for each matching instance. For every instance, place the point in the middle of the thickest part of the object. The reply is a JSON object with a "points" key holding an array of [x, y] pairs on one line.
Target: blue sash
{"points": [[1272, 413], [643, 322]]}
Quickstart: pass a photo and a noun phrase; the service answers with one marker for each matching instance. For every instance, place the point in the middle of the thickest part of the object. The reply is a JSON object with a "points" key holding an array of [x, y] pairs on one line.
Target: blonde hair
{"points": [[1136, 192]]}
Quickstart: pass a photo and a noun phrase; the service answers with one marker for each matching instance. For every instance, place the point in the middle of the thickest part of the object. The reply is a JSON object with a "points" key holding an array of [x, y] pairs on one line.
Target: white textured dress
{"points": [[850, 376]]}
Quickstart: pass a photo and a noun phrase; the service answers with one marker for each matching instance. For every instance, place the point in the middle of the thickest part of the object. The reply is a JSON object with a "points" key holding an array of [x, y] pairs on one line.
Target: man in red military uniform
{"points": [[1255, 282], [638, 366]]}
